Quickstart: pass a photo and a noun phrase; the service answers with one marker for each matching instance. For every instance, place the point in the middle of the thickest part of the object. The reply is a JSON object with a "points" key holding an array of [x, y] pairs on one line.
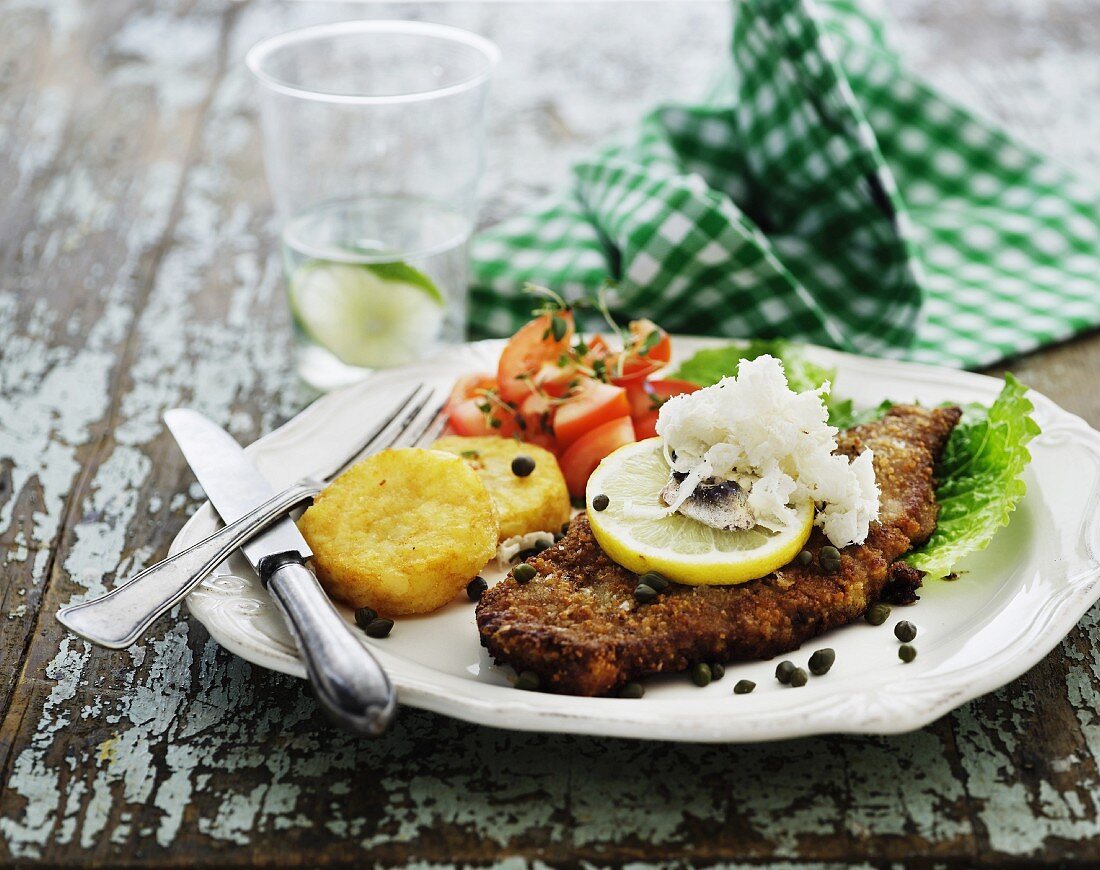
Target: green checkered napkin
{"points": [[820, 193]]}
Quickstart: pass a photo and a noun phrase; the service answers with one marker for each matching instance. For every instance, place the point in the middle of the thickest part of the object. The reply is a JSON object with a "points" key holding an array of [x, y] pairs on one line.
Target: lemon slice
{"points": [[682, 549], [374, 314]]}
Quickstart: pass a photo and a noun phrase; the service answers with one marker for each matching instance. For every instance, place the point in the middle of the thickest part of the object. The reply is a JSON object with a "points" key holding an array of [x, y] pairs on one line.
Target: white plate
{"points": [[1010, 606]]}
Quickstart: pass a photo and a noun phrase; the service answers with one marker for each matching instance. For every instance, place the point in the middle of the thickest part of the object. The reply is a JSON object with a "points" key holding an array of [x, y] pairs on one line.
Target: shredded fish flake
{"points": [[776, 444], [511, 547]]}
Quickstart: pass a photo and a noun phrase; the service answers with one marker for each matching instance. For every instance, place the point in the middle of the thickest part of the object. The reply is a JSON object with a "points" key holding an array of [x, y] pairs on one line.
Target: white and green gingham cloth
{"points": [[821, 193]]}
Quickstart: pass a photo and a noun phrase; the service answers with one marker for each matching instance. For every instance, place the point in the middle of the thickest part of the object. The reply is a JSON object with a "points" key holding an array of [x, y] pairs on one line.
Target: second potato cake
{"points": [[535, 502], [403, 531]]}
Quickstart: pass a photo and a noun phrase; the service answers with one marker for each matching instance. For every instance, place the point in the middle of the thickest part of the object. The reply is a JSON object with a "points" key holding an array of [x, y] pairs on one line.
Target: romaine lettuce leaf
{"points": [[844, 415], [709, 366], [978, 478]]}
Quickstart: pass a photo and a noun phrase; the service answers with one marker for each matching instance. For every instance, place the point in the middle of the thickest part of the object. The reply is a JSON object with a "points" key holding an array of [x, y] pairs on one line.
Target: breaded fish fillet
{"points": [[577, 625]]}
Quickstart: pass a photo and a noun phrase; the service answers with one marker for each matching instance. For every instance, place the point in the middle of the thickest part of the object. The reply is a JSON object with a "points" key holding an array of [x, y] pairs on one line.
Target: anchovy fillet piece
{"points": [[720, 504]]}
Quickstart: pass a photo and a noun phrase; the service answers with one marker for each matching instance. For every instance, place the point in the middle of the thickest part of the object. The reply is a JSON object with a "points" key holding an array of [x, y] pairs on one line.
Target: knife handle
{"points": [[119, 618], [347, 680]]}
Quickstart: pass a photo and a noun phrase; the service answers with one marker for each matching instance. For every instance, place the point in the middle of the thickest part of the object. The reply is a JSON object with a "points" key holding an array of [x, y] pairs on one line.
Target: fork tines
{"points": [[416, 419]]}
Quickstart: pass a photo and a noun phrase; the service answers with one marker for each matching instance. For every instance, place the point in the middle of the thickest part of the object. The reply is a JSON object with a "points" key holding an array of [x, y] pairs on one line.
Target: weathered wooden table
{"points": [[139, 273]]}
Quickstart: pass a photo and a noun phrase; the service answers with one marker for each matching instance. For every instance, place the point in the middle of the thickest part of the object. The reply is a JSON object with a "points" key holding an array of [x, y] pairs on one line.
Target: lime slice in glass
{"points": [[372, 315]]}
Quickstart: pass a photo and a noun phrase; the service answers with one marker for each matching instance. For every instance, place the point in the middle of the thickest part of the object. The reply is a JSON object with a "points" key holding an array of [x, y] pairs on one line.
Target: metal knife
{"points": [[348, 681], [120, 617]]}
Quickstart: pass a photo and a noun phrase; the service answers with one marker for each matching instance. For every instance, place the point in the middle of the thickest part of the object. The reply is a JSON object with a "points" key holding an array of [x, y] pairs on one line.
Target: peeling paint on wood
{"points": [[138, 274]]}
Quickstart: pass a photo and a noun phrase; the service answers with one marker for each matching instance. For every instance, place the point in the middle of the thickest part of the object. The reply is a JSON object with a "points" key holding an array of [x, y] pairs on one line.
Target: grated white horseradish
{"points": [[776, 444]]}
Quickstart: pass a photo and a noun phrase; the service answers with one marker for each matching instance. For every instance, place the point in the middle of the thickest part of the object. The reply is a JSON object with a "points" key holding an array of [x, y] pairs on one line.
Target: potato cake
{"points": [[403, 531], [534, 502]]}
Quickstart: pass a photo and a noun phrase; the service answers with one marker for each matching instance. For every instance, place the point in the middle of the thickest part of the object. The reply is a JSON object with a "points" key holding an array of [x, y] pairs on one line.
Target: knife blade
{"points": [[231, 482], [348, 681]]}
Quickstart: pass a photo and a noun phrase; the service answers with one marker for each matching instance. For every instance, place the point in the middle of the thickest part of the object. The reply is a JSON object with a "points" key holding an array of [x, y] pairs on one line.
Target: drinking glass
{"points": [[373, 141]]}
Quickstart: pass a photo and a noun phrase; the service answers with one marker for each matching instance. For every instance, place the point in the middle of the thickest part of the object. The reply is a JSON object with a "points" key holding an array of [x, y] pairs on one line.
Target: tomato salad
{"points": [[580, 399]]}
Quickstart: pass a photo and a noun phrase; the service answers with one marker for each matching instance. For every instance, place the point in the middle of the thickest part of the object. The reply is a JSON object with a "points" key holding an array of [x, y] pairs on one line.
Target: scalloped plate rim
{"points": [[884, 709]]}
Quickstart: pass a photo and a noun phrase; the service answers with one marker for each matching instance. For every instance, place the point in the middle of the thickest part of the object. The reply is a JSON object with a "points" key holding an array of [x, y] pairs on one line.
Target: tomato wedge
{"points": [[469, 386], [557, 379], [648, 351], [529, 349], [537, 413], [465, 409], [554, 380], [645, 426], [646, 399], [597, 348], [595, 403], [642, 401], [666, 388], [548, 392], [582, 457]]}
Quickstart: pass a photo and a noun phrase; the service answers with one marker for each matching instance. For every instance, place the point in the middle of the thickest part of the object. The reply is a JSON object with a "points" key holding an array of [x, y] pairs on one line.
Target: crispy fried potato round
{"points": [[538, 502], [403, 531]]}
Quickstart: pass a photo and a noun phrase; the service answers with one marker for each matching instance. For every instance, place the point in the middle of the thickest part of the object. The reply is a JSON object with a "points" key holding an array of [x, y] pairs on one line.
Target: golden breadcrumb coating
{"points": [[577, 625]]}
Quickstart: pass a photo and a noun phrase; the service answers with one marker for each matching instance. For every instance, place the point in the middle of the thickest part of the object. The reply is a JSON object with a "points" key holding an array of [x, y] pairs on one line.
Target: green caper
{"points": [[645, 593], [522, 466], [364, 616], [829, 559], [475, 587], [379, 627], [877, 614], [632, 690], [783, 671], [600, 502], [743, 687], [717, 671], [804, 558], [821, 661], [700, 674], [907, 653], [528, 681], [524, 573], [654, 580], [564, 529], [540, 546], [799, 677], [905, 631]]}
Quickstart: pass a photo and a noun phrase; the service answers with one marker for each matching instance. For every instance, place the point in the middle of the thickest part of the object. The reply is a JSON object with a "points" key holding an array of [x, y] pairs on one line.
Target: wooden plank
{"points": [[85, 209], [82, 236]]}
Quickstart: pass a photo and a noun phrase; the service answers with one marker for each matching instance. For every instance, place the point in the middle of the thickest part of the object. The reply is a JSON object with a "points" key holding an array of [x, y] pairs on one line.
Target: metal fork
{"points": [[132, 607], [416, 419]]}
